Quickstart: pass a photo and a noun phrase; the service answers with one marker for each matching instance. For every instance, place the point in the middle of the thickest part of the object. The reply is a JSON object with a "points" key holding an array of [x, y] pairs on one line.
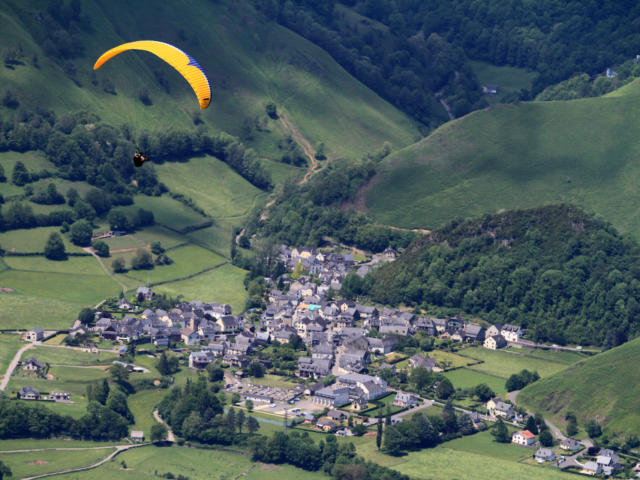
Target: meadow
{"points": [[505, 363], [32, 240], [37, 463], [603, 386], [9, 346], [141, 405], [68, 356], [581, 152], [509, 80], [222, 285], [449, 359], [466, 378], [274, 381], [168, 212], [143, 463], [28, 311]]}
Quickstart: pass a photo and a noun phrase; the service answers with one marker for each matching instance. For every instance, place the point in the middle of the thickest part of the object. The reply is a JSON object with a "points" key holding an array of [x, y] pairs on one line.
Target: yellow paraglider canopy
{"points": [[182, 62]]}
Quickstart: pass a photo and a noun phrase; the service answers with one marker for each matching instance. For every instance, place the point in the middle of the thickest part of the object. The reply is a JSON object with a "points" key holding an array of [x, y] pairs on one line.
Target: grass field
{"points": [[68, 356], [603, 386], [223, 284], [582, 152], [212, 185], [467, 378], [75, 265], [32, 240], [33, 443], [37, 463], [168, 212], [382, 409], [28, 311], [508, 79], [187, 260], [158, 233], [141, 405], [449, 359], [9, 345], [483, 443], [505, 363], [216, 238]]}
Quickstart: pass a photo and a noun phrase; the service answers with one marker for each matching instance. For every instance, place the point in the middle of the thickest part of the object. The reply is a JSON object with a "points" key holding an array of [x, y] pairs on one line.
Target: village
{"points": [[343, 356]]}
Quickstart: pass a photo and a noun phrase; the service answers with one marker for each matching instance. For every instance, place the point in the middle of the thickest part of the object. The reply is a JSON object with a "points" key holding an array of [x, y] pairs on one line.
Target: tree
{"points": [[235, 398], [483, 392], [572, 427], [393, 441], [420, 377], [240, 420], [5, 471], [159, 432], [272, 110], [156, 248], [546, 439], [101, 248], [445, 389], [2, 177], [387, 416], [216, 374], [248, 403], [119, 373], [142, 261], [118, 220], [531, 425], [256, 369], [379, 434], [252, 425], [72, 196], [81, 231], [117, 401], [593, 429], [118, 265], [86, 315], [465, 424], [20, 175], [98, 392], [167, 364], [54, 249], [500, 432]]}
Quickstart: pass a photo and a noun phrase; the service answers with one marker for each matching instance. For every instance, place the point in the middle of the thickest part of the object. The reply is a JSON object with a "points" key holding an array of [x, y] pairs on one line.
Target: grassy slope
{"points": [[246, 70], [509, 156], [603, 386]]}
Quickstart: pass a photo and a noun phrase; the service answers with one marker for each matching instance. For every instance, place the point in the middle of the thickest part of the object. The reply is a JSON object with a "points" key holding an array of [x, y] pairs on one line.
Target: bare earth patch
{"points": [[6, 290], [38, 462], [269, 467]]}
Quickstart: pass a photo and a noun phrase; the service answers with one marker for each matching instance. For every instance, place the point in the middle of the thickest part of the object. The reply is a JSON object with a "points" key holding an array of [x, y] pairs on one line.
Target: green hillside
{"points": [[507, 156], [603, 387], [250, 61]]}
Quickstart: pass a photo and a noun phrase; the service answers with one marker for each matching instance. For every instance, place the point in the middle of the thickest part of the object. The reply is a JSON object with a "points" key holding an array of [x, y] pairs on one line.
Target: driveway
{"points": [[13, 365]]}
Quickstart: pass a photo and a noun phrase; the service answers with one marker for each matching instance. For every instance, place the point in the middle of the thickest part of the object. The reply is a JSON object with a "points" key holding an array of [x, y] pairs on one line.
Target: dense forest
{"points": [[414, 53], [317, 211], [563, 274]]}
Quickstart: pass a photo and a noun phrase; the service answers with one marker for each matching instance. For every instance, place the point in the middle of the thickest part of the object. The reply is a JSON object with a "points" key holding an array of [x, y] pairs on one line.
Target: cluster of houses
{"points": [[33, 365]]}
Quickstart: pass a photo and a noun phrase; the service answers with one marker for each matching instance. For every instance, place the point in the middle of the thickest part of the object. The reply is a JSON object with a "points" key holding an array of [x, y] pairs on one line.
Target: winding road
{"points": [[170, 436], [14, 364]]}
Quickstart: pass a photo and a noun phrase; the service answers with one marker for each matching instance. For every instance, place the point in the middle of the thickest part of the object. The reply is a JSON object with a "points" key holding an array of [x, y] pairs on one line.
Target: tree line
{"points": [[563, 274]]}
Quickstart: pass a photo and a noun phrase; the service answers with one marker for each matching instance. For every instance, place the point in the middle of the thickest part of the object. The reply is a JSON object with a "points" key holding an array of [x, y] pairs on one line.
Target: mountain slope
{"points": [[508, 156], [603, 387], [249, 60]]}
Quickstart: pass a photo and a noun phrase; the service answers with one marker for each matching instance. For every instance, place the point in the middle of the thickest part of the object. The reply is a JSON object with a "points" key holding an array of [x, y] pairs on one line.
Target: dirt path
{"points": [[303, 143], [119, 449], [170, 436], [13, 365], [106, 270]]}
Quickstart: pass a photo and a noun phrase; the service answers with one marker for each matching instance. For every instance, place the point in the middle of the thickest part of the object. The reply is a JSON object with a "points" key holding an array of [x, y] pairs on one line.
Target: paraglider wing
{"points": [[183, 63]]}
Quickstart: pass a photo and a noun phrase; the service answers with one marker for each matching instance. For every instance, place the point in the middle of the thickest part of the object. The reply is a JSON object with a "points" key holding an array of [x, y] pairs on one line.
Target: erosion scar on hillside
{"points": [[304, 144]]}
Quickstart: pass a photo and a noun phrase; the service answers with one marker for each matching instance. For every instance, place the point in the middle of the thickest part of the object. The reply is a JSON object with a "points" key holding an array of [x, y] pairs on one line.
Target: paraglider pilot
{"points": [[139, 159]]}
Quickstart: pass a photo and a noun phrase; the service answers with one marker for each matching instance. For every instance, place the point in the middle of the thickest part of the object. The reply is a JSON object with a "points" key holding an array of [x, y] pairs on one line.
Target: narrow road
{"points": [[170, 436], [557, 433], [119, 449], [13, 365]]}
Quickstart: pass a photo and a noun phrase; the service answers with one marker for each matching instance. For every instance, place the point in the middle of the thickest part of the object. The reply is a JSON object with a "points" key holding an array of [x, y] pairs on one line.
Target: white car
{"points": [[273, 405]]}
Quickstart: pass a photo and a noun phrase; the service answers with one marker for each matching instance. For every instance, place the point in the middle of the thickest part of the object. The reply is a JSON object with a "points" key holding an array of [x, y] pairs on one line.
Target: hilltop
{"points": [[603, 387], [518, 156], [563, 274]]}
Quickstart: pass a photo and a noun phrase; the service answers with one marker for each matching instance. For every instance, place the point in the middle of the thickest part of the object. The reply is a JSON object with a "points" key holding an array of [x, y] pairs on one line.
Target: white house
{"points": [[495, 342], [34, 335], [523, 437], [511, 333]]}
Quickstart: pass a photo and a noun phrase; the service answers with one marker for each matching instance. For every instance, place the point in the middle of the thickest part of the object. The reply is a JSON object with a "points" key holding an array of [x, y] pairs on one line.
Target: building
{"points": [[523, 437], [591, 468], [382, 345], [511, 333], [337, 415], [327, 425], [28, 393], [495, 342], [405, 400], [144, 293], [137, 435], [327, 397], [570, 445], [498, 408], [313, 367], [189, 336], [419, 361], [545, 455], [32, 365], [34, 335], [199, 359]]}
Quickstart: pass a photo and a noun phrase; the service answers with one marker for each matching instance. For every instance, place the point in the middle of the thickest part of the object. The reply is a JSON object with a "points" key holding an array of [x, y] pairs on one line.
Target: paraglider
{"points": [[181, 61], [139, 158]]}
